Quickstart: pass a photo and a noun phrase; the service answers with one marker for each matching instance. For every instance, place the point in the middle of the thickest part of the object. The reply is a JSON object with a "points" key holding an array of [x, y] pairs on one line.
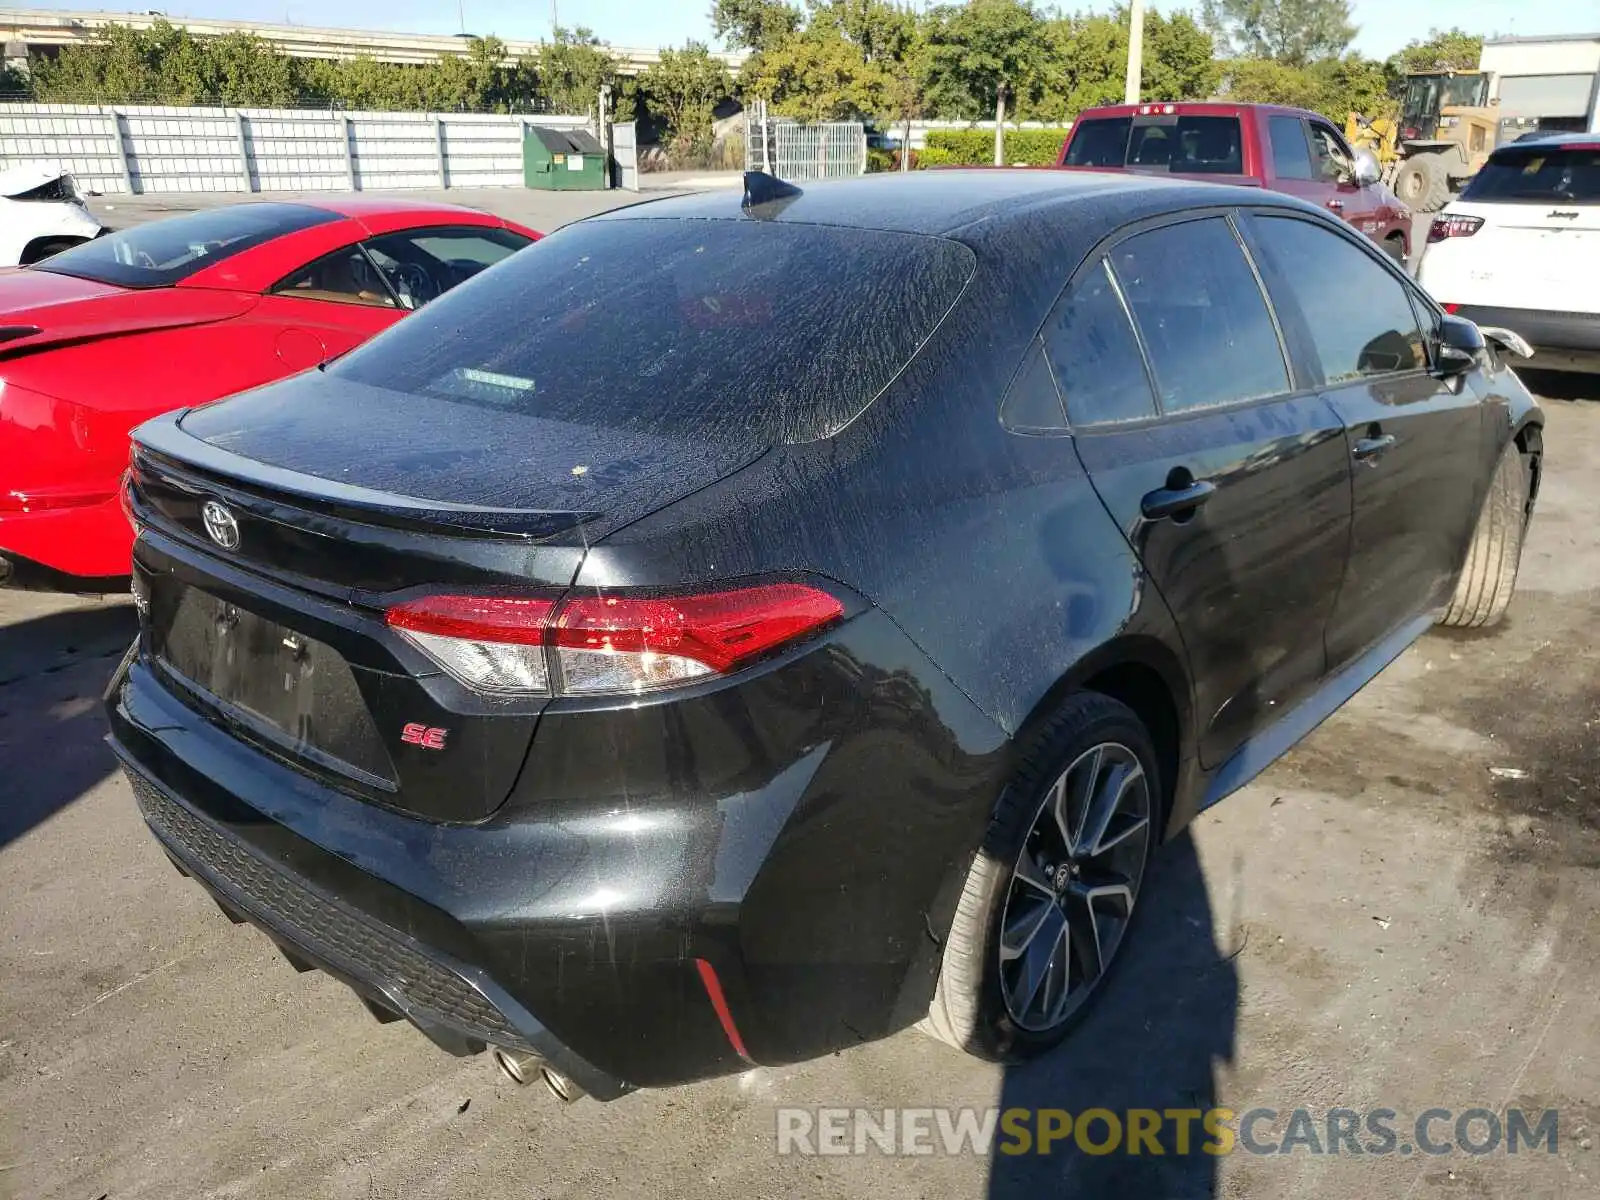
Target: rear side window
{"points": [[1201, 313], [1099, 142], [1539, 175], [346, 276], [743, 331], [163, 252], [1359, 315], [1095, 355], [1032, 404], [1290, 157]]}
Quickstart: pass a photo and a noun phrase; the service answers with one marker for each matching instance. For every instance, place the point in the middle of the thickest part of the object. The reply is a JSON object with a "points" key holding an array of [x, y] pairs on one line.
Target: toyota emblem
{"points": [[219, 522]]}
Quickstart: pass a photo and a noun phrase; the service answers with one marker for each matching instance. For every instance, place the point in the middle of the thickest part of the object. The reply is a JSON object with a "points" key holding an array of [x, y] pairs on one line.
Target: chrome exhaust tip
{"points": [[522, 1069], [561, 1086], [516, 1066]]}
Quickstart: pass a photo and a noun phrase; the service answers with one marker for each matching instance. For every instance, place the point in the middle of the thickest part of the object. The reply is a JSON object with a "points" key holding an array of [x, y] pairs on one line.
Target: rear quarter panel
{"points": [[117, 383]]}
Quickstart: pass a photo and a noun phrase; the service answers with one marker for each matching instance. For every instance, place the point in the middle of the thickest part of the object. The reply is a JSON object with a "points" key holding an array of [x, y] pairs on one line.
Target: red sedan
{"points": [[181, 312]]}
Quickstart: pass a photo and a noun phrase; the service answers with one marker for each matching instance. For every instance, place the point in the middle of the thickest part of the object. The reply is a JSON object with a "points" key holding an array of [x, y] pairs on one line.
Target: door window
{"points": [[422, 264], [1095, 355], [1290, 157], [1358, 314], [1330, 156], [346, 276], [1205, 323]]}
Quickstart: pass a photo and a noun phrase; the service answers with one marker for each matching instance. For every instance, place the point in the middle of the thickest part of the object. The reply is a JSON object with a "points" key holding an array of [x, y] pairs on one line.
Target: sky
{"points": [[1385, 25]]}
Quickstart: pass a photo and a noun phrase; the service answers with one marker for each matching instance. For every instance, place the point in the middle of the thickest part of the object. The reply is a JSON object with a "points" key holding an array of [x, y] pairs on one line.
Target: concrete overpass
{"points": [[46, 29]]}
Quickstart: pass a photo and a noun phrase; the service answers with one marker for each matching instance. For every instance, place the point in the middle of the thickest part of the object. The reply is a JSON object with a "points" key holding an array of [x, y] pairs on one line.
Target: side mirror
{"points": [[1367, 171], [1459, 346]]}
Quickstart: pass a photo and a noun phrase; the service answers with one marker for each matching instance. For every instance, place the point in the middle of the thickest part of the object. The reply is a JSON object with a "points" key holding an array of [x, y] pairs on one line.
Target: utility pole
{"points": [[555, 20], [1130, 83], [461, 11]]}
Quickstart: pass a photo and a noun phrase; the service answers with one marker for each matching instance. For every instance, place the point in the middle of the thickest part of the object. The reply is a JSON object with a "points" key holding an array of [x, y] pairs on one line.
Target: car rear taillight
{"points": [[1450, 306], [1453, 226], [608, 643]]}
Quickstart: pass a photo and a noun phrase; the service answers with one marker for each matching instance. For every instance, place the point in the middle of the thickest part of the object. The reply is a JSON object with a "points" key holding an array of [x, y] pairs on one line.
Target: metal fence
{"points": [[151, 148], [799, 151]]}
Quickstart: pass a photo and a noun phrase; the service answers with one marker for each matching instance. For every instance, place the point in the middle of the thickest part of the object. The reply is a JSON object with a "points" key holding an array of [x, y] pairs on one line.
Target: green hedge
{"points": [[975, 147]]}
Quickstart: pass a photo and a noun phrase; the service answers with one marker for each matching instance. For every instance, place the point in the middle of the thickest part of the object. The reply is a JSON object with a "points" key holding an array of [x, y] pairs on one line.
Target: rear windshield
{"points": [[1198, 145], [163, 252], [1539, 175], [740, 330]]}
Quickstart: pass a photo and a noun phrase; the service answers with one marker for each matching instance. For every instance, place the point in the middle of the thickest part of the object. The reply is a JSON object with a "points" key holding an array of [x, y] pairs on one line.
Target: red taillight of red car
{"points": [[1451, 307], [608, 643], [1453, 226]]}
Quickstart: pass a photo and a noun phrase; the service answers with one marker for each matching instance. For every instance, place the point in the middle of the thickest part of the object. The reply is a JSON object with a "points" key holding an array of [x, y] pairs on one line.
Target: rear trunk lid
{"points": [[39, 308], [481, 445], [269, 619]]}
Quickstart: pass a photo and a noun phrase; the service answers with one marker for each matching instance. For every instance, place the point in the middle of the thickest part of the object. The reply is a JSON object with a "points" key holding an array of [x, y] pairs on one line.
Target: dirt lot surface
{"points": [[1398, 915]]}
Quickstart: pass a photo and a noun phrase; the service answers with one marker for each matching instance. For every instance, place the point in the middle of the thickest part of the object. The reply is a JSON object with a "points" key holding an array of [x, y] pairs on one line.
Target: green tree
{"points": [[1087, 57], [983, 56], [754, 24], [851, 59], [682, 91], [571, 69], [1450, 50], [1180, 60], [1267, 81], [246, 70], [1294, 32], [817, 76], [1351, 84]]}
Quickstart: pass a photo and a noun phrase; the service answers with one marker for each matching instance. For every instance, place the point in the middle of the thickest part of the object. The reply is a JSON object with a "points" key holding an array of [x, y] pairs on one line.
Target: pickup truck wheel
{"points": [[1489, 576], [1050, 895], [1423, 183]]}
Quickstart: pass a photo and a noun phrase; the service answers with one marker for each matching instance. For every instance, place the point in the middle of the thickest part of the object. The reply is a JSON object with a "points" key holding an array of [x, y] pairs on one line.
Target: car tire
{"points": [[43, 248], [1490, 573], [1423, 183], [1094, 747]]}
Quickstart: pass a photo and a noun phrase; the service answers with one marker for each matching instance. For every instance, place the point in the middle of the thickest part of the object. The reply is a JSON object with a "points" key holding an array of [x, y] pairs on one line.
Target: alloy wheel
{"points": [[1074, 886]]}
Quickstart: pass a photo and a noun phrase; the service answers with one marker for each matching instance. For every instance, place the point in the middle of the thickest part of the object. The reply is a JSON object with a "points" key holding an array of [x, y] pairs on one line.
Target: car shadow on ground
{"points": [[1153, 1040], [53, 669]]}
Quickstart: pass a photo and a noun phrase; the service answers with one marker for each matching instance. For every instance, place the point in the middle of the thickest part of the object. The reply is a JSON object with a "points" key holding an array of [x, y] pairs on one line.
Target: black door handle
{"points": [[1176, 502], [1371, 449]]}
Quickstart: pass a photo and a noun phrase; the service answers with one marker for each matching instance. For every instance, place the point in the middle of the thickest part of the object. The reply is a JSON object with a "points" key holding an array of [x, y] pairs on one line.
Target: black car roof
{"points": [[942, 202]]}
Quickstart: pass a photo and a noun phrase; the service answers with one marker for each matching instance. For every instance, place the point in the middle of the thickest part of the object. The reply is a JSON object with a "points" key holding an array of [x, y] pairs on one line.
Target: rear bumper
{"points": [[457, 1006], [1561, 341], [91, 542], [778, 891]]}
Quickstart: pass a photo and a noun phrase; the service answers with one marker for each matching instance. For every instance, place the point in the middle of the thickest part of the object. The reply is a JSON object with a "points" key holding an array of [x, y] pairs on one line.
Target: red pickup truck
{"points": [[1283, 149]]}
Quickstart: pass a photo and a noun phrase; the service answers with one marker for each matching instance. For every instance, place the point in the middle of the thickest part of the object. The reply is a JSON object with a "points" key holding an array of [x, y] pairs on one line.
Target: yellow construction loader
{"points": [[1444, 133]]}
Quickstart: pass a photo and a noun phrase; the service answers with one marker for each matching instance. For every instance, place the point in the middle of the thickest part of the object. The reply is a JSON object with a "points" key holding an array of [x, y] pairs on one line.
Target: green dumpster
{"points": [[562, 160]]}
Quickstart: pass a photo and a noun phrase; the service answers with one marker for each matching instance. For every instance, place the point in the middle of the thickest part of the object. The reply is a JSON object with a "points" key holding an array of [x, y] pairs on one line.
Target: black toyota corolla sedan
{"points": [[735, 627]]}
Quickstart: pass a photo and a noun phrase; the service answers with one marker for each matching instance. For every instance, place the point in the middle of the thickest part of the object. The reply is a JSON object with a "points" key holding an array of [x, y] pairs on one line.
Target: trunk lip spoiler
{"points": [[167, 441]]}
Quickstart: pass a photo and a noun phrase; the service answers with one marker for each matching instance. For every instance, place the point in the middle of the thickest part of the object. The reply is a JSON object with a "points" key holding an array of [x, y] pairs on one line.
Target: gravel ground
{"points": [[1385, 919]]}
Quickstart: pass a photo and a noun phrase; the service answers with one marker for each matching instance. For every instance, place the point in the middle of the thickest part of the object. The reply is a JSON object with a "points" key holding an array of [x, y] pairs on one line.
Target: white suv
{"points": [[1521, 248], [42, 211]]}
